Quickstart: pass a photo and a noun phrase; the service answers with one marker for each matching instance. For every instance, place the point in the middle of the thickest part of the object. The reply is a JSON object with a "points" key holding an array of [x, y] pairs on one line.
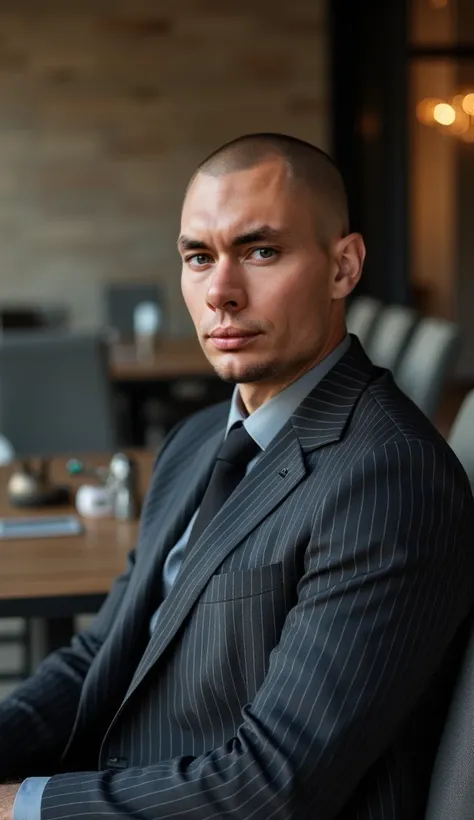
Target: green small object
{"points": [[75, 467]]}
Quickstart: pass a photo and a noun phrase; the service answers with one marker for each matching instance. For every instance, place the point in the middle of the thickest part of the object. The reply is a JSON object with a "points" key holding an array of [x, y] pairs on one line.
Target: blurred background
{"points": [[403, 132], [106, 108]]}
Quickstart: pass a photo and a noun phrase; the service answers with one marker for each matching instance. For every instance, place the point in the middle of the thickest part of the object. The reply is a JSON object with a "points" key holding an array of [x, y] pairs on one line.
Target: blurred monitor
{"points": [[32, 317], [20, 318], [55, 394], [121, 300]]}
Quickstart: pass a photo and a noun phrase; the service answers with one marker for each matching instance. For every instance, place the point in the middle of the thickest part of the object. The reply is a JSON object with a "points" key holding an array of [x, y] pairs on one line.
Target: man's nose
{"points": [[226, 288]]}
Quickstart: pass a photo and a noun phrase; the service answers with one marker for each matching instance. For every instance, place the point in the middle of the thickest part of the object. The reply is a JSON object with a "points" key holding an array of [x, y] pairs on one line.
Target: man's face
{"points": [[255, 280]]}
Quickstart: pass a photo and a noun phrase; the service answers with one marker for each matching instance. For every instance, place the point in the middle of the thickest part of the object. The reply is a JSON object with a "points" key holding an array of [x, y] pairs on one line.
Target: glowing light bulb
{"points": [[468, 104], [444, 114]]}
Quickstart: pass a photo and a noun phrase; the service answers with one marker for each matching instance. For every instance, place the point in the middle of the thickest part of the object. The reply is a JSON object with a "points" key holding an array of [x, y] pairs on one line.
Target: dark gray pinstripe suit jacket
{"points": [[301, 664]]}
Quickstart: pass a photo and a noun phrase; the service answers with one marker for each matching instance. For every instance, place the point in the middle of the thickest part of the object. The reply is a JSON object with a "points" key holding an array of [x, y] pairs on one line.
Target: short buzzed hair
{"points": [[306, 164]]}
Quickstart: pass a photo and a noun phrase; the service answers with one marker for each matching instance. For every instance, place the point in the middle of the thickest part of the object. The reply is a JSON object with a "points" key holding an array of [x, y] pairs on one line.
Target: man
{"points": [[282, 643]]}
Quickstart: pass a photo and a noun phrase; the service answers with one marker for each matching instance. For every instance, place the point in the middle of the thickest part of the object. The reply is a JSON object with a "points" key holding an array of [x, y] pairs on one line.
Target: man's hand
{"points": [[7, 798]]}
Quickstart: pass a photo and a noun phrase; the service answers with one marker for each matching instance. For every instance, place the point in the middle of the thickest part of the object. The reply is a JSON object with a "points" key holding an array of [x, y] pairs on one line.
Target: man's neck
{"points": [[254, 394]]}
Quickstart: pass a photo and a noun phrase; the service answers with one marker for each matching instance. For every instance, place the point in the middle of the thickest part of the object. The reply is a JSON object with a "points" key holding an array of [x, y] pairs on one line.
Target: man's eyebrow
{"points": [[262, 233], [185, 243]]}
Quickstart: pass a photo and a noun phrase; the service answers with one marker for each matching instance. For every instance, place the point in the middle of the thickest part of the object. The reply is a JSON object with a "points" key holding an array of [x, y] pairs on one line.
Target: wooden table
{"points": [[57, 578], [173, 358]]}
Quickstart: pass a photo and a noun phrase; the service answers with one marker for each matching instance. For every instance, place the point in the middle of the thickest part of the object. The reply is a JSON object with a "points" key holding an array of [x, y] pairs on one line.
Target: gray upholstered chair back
{"points": [[391, 335], [461, 437], [55, 394], [452, 784], [426, 362], [362, 316]]}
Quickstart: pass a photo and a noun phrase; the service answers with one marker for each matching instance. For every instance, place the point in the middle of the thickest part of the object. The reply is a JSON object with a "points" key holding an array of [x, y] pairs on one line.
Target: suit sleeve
{"points": [[36, 720], [386, 583]]}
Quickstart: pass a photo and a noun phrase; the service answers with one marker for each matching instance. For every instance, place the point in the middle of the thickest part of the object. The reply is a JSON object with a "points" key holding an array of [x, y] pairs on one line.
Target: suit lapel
{"points": [[323, 416], [320, 420]]}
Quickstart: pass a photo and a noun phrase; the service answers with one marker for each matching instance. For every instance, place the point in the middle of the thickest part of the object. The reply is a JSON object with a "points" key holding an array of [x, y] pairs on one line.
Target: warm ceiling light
{"points": [[457, 117], [444, 114], [468, 104], [439, 4]]}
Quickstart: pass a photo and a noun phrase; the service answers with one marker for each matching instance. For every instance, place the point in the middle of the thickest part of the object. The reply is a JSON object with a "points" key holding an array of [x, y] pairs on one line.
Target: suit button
{"points": [[116, 762]]}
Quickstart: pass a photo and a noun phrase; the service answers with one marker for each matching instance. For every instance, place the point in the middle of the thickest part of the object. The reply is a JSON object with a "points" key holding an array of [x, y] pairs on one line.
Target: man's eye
{"points": [[264, 253], [199, 259]]}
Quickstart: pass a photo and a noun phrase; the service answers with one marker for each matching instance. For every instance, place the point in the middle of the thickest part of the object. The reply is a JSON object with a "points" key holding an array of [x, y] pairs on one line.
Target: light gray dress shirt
{"points": [[263, 425]]}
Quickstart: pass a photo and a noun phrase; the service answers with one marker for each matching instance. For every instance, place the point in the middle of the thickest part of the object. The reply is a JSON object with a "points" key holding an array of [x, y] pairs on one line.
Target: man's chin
{"points": [[238, 373]]}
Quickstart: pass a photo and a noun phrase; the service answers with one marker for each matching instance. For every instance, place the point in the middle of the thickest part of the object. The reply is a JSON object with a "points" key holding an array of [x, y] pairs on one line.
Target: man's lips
{"points": [[231, 338]]}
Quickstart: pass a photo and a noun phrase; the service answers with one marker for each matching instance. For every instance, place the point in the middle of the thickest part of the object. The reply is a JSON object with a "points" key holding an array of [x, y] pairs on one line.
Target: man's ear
{"points": [[349, 256]]}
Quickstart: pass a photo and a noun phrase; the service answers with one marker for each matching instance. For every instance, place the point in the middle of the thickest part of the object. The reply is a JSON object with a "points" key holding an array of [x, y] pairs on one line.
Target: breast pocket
{"points": [[233, 586], [239, 619]]}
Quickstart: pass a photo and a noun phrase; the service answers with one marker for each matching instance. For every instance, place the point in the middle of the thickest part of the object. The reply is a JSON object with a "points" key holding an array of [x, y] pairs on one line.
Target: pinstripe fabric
{"points": [[302, 660]]}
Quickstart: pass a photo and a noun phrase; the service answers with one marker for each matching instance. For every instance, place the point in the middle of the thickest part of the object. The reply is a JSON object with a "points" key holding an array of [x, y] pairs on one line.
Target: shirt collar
{"points": [[264, 424]]}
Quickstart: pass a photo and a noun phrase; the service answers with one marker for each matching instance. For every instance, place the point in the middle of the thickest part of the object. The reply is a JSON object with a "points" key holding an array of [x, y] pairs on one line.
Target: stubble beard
{"points": [[260, 372]]}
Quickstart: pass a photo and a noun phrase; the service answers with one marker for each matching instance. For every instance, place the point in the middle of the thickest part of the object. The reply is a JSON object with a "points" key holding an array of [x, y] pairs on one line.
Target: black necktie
{"points": [[237, 450]]}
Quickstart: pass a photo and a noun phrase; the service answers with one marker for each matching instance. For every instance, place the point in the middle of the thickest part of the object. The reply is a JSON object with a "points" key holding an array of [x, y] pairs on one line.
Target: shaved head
{"points": [[306, 165]]}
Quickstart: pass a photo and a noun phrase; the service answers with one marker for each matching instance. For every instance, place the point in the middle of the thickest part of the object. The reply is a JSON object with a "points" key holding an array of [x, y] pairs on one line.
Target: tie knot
{"points": [[239, 447]]}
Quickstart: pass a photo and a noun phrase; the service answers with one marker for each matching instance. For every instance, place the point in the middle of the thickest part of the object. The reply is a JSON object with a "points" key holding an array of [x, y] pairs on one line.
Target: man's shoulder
{"points": [[396, 413], [387, 418], [381, 410]]}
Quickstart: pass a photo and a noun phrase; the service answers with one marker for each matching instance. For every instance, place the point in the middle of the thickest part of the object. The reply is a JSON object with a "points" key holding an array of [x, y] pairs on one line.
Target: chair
{"points": [[452, 783], [361, 317], [55, 394], [391, 335], [451, 795], [424, 366], [461, 436], [121, 301]]}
